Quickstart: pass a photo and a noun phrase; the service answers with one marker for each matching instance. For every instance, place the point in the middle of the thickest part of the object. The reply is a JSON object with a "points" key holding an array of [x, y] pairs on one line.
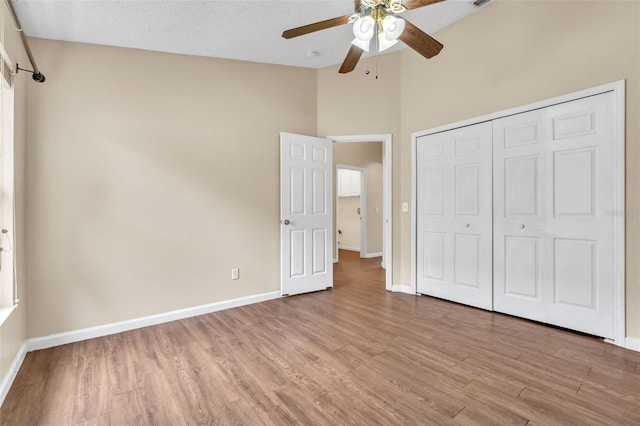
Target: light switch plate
{"points": [[405, 207]]}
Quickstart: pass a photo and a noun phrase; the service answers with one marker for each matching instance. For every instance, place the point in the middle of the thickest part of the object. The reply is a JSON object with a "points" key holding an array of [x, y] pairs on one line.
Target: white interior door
{"points": [[454, 215], [306, 213], [554, 212]]}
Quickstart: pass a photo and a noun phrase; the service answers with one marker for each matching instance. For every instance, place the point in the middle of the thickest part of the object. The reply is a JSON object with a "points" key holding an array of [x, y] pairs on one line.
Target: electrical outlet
{"points": [[235, 274], [405, 207]]}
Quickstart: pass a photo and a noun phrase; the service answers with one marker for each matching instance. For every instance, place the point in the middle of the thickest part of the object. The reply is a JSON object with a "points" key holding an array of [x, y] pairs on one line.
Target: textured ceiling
{"points": [[244, 30]]}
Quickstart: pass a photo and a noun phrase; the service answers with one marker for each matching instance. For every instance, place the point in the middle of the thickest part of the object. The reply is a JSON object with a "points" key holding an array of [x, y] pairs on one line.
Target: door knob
{"points": [[522, 226], [287, 222], [466, 225]]}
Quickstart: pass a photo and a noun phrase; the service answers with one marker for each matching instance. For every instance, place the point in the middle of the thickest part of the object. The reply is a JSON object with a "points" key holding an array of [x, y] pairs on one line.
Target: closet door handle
{"points": [[466, 225], [522, 226]]}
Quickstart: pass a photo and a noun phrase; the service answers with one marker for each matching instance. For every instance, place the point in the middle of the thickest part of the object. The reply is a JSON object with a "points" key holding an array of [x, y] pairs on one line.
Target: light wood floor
{"points": [[352, 355]]}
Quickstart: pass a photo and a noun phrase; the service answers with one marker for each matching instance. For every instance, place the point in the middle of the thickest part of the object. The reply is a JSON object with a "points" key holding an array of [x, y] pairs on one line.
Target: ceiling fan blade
{"points": [[420, 41], [351, 60], [414, 4], [316, 26]]}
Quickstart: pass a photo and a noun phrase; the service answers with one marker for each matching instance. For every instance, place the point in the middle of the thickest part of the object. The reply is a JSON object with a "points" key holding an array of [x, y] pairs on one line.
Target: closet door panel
{"points": [[553, 221], [580, 223], [454, 219], [520, 203]]}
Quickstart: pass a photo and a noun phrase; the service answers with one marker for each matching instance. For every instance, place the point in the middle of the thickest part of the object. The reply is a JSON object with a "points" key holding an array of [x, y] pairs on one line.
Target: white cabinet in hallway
{"points": [[348, 183]]}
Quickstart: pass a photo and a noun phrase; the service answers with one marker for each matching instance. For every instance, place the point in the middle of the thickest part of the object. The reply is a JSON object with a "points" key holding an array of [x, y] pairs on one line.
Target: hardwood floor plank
{"points": [[483, 395], [620, 410], [356, 354], [527, 375], [566, 410], [486, 414]]}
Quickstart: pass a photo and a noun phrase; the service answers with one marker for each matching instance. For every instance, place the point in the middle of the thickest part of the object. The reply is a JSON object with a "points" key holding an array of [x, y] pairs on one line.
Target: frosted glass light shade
{"points": [[392, 28], [384, 43], [363, 29]]}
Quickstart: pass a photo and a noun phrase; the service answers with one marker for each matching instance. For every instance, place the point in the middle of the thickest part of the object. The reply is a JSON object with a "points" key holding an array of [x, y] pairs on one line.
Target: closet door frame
{"points": [[618, 89]]}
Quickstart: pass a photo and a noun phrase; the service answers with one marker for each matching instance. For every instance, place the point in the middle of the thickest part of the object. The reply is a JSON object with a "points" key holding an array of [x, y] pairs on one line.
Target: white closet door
{"points": [[554, 215], [454, 215], [520, 212], [581, 214]]}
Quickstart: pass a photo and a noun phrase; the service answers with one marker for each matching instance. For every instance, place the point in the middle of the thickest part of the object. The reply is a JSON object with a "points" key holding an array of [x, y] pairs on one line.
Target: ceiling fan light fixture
{"points": [[363, 29], [378, 18], [392, 28]]}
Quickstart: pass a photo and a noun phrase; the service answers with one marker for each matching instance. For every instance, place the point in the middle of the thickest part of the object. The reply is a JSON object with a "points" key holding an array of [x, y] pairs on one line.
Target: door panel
{"points": [[522, 266], [574, 279], [319, 251], [434, 250], [434, 191], [467, 190], [574, 186], [454, 215], [521, 186], [319, 195], [306, 219], [466, 260], [296, 252]]}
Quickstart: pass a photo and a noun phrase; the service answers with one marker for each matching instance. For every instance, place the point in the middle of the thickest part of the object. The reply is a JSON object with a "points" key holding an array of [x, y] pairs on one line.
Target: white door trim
{"points": [[363, 208], [618, 89], [387, 185]]}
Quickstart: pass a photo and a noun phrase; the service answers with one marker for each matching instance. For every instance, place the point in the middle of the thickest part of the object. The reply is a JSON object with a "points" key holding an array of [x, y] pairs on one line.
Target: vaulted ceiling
{"points": [[248, 30]]}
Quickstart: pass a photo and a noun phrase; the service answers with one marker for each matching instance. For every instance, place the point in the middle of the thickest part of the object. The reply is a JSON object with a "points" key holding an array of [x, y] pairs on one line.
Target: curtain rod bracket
{"points": [[37, 76]]}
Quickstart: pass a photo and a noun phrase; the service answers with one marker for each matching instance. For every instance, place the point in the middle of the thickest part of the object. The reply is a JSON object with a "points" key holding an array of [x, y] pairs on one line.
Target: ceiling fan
{"points": [[381, 17]]}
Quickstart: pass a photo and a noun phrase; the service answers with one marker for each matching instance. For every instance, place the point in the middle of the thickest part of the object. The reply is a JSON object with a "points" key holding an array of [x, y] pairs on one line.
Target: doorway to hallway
{"points": [[358, 274]]}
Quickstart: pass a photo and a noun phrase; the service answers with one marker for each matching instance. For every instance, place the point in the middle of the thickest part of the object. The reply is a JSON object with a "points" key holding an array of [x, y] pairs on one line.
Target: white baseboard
{"points": [[370, 255], [349, 248], [57, 339], [8, 379], [402, 289], [335, 260], [632, 343]]}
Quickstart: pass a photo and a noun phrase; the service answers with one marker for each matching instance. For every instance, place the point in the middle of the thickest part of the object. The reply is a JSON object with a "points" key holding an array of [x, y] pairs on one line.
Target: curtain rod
{"points": [[37, 75]]}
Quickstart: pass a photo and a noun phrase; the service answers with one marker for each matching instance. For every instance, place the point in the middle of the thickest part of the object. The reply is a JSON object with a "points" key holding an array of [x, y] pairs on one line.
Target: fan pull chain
{"points": [[377, 50]]}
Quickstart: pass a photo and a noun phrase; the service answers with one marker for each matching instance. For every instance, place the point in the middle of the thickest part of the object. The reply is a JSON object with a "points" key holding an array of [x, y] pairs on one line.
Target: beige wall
{"points": [[151, 176], [367, 155], [515, 52], [13, 330], [360, 104]]}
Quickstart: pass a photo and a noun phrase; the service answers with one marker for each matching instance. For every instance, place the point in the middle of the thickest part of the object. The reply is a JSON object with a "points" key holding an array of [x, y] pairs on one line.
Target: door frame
{"points": [[363, 209], [618, 89], [387, 190]]}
